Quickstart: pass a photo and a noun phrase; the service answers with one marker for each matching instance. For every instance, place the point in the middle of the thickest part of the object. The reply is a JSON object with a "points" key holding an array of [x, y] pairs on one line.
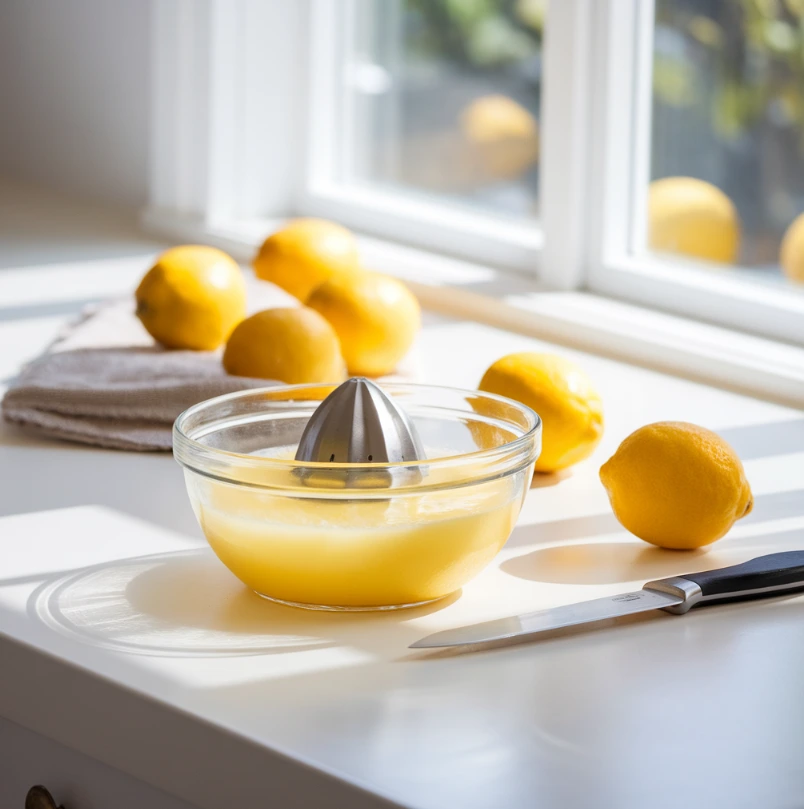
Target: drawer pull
{"points": [[39, 798]]}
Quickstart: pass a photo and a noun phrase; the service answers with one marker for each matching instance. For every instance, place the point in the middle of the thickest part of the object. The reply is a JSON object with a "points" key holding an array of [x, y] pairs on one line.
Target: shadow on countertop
{"points": [[186, 604]]}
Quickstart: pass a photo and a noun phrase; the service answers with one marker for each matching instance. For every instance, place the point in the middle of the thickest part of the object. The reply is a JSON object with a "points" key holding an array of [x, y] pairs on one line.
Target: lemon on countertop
{"points": [[294, 345], [375, 317], [792, 252], [694, 218], [563, 396], [192, 297], [304, 254], [676, 485]]}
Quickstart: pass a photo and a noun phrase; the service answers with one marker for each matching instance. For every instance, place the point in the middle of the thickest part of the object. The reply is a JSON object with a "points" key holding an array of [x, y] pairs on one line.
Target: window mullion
{"points": [[567, 90], [615, 170]]}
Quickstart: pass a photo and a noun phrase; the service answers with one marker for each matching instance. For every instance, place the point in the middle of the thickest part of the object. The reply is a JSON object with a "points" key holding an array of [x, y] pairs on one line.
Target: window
{"points": [[441, 99], [649, 150], [703, 161], [728, 112], [425, 122]]}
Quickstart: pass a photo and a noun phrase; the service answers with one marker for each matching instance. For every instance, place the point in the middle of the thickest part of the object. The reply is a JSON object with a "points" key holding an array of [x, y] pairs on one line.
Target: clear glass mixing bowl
{"points": [[356, 536]]}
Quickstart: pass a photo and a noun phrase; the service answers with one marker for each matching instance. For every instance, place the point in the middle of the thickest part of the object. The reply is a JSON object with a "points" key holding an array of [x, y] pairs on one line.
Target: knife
{"points": [[772, 575]]}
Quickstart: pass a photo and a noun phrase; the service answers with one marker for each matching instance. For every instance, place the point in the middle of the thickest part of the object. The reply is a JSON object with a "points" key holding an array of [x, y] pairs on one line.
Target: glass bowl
{"points": [[356, 536]]}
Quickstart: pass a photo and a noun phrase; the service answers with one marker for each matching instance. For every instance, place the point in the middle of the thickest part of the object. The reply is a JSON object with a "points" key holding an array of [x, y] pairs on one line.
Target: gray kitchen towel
{"points": [[122, 398], [105, 382]]}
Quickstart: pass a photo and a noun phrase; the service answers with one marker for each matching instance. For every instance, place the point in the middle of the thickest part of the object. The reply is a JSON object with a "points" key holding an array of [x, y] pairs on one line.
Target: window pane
{"points": [[727, 160], [443, 99]]}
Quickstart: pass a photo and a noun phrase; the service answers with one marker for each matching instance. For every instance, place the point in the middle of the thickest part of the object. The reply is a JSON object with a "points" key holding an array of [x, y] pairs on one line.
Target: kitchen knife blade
{"points": [[771, 575]]}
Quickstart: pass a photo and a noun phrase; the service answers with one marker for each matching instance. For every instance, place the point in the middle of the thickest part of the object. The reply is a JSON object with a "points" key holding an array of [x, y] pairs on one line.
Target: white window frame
{"points": [[227, 166]]}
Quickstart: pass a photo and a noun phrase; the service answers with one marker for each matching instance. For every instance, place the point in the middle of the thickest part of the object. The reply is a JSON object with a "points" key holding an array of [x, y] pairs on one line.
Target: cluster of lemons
{"points": [[351, 320], [695, 218], [672, 484]]}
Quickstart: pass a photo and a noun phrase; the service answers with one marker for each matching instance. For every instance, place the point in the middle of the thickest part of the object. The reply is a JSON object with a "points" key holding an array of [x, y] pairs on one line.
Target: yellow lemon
{"points": [[694, 218], [294, 345], [563, 396], [192, 297], [676, 485], [312, 394], [505, 135], [375, 317], [792, 252], [304, 254]]}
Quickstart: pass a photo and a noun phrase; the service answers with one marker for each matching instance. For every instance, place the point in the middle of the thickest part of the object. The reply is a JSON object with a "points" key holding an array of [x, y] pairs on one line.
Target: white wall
{"points": [[74, 96]]}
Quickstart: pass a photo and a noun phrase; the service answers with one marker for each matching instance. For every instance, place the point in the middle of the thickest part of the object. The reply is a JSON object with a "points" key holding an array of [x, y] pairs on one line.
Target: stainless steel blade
{"points": [[533, 623]]}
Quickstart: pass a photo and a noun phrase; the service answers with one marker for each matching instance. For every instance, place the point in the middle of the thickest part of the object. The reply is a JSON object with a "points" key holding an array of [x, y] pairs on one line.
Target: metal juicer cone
{"points": [[359, 423]]}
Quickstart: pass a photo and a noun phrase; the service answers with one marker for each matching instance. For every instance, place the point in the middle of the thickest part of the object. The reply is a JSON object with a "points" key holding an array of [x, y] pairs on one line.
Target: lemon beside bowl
{"points": [[563, 396]]}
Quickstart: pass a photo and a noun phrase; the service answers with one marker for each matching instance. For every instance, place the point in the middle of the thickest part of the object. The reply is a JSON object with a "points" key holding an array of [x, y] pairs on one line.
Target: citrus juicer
{"points": [[358, 423], [356, 497]]}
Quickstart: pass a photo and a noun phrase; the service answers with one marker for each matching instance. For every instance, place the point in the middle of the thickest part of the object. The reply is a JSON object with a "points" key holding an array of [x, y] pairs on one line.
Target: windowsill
{"points": [[737, 361]]}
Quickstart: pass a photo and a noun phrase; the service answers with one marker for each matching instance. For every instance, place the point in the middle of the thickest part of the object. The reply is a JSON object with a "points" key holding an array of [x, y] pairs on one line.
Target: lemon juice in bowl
{"points": [[403, 550], [312, 541]]}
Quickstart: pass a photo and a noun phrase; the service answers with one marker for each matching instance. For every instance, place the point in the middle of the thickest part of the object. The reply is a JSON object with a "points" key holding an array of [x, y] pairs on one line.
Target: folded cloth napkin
{"points": [[123, 398], [105, 382]]}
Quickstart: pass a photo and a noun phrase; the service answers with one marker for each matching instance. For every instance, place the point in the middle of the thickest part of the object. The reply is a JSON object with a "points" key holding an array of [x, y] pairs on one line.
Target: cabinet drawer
{"points": [[75, 780]]}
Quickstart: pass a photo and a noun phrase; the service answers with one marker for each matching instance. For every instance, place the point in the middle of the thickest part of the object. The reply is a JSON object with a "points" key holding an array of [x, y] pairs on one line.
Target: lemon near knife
{"points": [[676, 485]]}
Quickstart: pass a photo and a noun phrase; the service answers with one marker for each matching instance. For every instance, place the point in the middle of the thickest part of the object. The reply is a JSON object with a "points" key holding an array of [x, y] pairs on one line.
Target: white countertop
{"points": [[133, 644]]}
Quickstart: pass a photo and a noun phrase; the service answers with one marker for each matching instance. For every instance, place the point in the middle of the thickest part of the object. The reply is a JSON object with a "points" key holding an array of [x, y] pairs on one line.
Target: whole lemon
{"points": [[563, 396], [505, 135], [192, 297], [304, 254], [792, 253], [694, 218], [676, 485], [294, 345], [375, 317]]}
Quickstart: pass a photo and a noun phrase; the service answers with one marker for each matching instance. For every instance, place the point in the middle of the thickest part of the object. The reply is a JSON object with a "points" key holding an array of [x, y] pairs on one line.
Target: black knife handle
{"points": [[765, 572], [765, 576]]}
